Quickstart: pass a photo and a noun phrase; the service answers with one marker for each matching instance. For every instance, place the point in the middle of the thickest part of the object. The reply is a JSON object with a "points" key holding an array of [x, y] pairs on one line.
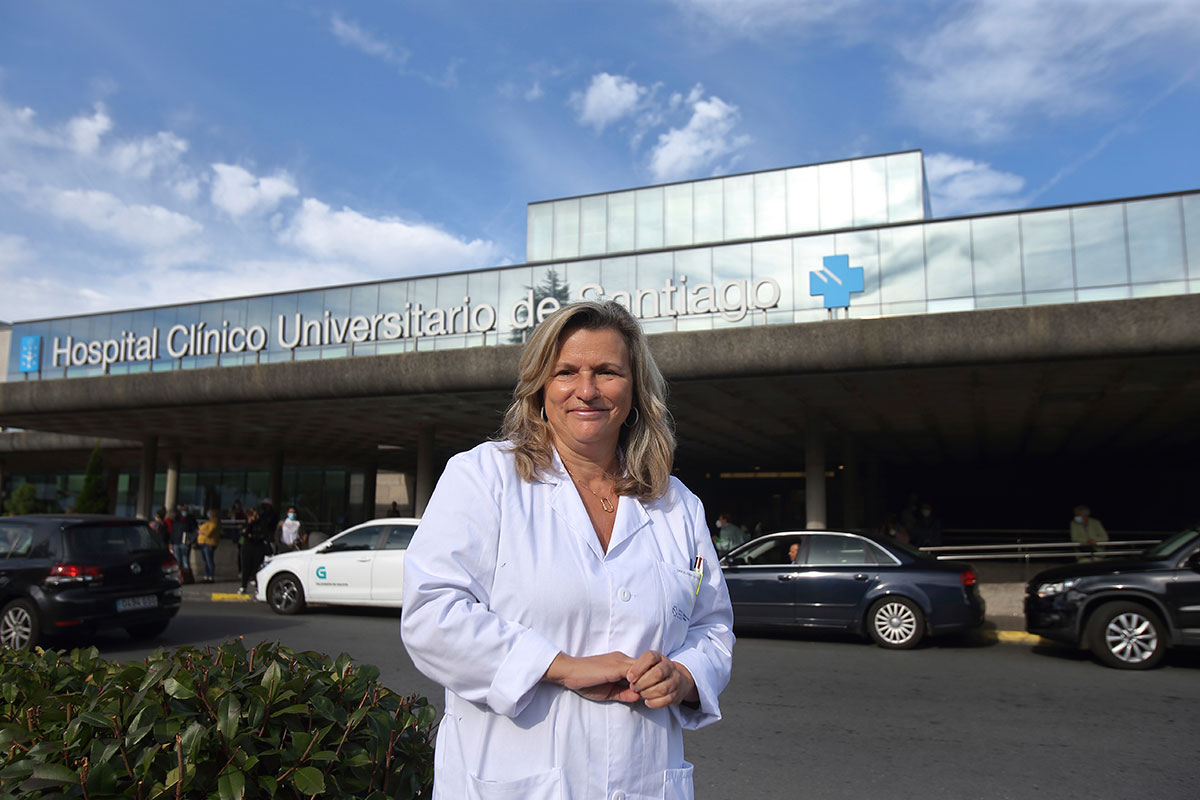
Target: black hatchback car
{"points": [[845, 581], [77, 573], [1126, 612]]}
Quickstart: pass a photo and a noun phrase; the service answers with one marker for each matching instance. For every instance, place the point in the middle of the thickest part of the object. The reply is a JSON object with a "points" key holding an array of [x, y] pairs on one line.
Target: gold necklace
{"points": [[605, 503]]}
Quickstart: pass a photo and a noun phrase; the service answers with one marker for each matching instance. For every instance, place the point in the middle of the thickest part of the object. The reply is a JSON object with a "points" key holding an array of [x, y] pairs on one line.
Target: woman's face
{"points": [[590, 392]]}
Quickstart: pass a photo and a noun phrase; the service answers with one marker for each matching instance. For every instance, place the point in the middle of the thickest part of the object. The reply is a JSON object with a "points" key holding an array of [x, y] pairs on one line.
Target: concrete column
{"points": [[410, 492], [814, 471], [145, 495], [370, 477], [425, 476], [172, 495], [852, 496], [276, 483]]}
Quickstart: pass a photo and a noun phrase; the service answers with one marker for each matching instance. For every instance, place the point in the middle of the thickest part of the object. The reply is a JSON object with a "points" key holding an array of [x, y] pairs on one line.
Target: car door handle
{"points": [[862, 576], [362, 560], [787, 576]]}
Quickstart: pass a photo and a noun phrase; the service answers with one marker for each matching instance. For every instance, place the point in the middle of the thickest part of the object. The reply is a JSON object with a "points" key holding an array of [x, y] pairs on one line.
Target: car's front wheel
{"points": [[1127, 636], [896, 623], [285, 595], [19, 625]]}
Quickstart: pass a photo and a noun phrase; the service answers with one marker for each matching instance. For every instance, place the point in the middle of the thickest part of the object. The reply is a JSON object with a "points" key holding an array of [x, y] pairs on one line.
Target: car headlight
{"points": [[1057, 587]]}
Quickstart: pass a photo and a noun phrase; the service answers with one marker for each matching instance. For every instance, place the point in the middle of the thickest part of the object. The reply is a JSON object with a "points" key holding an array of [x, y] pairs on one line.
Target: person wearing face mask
{"points": [[729, 534], [290, 534], [1087, 532], [926, 529]]}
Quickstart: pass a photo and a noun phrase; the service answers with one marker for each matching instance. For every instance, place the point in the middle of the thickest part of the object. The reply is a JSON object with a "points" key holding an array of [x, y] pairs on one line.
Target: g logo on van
{"points": [[321, 573]]}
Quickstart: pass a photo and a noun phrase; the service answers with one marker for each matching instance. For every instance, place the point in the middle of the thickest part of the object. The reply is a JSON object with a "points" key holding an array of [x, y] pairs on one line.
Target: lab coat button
{"points": [[624, 595], [618, 795]]}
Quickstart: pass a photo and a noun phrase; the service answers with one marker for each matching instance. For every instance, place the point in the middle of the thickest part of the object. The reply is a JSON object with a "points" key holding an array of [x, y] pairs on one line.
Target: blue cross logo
{"points": [[30, 357], [836, 281]]}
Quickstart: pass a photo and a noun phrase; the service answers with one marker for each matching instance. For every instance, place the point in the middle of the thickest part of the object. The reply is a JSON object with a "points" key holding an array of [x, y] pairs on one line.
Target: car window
{"points": [[882, 556], [361, 539], [110, 540], [824, 551], [399, 536], [15, 540], [1173, 544], [765, 552]]}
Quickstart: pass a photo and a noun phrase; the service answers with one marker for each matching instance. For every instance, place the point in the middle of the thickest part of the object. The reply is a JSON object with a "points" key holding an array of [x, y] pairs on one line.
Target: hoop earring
{"points": [[544, 414], [636, 419]]}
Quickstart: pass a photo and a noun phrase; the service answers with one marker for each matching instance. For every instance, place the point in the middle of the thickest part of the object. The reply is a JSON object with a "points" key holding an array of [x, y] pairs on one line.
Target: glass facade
{"points": [[858, 193], [1120, 249]]}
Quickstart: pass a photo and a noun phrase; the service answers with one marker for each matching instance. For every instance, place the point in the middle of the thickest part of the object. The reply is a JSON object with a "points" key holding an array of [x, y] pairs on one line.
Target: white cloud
{"points": [[534, 92], [84, 133], [354, 35], [143, 157], [755, 18], [144, 226], [237, 192], [389, 245], [699, 145], [992, 65], [607, 99], [961, 186]]}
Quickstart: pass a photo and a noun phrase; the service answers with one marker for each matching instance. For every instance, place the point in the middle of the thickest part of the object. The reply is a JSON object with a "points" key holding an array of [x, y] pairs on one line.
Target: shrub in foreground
{"points": [[224, 722]]}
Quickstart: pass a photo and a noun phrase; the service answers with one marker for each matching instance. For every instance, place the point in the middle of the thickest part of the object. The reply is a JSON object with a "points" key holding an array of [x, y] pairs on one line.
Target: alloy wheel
{"points": [[1131, 637], [16, 628], [895, 622]]}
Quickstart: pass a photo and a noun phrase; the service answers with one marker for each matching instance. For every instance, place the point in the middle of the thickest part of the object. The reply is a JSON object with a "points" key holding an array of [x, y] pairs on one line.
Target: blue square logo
{"points": [[30, 358]]}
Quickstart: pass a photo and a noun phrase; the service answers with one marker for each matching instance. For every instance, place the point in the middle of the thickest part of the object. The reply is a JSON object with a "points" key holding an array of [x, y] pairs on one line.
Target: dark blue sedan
{"points": [[886, 589]]}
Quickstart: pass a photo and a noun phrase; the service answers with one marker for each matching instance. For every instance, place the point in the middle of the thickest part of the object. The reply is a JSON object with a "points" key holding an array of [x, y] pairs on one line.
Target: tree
{"points": [[23, 501], [551, 286], [93, 499]]}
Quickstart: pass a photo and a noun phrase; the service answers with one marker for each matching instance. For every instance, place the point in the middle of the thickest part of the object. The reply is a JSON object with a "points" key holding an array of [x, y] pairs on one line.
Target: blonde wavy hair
{"points": [[646, 449]]}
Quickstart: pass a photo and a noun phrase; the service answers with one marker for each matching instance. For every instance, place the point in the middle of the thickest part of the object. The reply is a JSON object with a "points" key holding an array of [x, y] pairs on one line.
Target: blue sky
{"points": [[158, 153]]}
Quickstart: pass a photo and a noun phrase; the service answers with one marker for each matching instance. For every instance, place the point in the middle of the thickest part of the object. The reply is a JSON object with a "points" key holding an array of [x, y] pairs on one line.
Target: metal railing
{"points": [[1027, 551]]}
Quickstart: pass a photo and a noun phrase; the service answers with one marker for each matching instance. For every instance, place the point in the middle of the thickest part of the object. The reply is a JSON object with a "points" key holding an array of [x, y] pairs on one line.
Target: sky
{"points": [[158, 153]]}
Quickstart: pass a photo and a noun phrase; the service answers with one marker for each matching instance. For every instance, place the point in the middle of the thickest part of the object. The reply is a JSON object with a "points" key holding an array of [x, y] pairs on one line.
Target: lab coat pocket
{"points": [[677, 784], [542, 786], [679, 598]]}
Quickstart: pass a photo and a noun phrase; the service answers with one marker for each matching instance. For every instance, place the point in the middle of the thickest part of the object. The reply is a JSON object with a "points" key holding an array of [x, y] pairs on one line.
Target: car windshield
{"points": [[1173, 544], [110, 540]]}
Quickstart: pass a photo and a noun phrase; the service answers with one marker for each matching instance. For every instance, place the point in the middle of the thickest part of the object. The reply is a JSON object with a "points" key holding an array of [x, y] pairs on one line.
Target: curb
{"points": [[1013, 637], [231, 597]]}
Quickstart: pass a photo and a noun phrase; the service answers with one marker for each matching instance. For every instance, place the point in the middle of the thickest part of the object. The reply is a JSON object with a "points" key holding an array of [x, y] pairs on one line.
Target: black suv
{"points": [[76, 573], [1127, 612]]}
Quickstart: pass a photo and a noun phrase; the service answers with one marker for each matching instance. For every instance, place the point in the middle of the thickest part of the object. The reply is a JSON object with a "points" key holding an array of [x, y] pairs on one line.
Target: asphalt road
{"points": [[832, 717]]}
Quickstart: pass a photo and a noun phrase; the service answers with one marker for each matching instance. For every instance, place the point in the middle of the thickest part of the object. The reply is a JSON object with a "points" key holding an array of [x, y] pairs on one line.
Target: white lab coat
{"points": [[504, 574]]}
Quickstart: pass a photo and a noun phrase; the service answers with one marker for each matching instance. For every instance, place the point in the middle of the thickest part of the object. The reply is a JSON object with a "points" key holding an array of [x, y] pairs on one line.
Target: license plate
{"points": [[135, 603]]}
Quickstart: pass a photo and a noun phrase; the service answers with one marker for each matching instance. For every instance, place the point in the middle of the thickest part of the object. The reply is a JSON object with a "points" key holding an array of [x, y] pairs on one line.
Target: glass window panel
{"points": [[770, 203], [863, 249], [996, 244], [1049, 298], [999, 301], [837, 197], [539, 237], [579, 274], [870, 191], [948, 259], [692, 269], [803, 200], [739, 207], [1159, 289], [364, 300], [484, 290], [1046, 251], [808, 255], [678, 214], [953, 304], [392, 296], [649, 218], [515, 286], [772, 261], [904, 187], [1099, 233], [566, 228], [618, 276], [909, 307], [621, 218], [902, 264], [1191, 224], [593, 225], [1155, 240], [708, 200], [731, 273], [655, 276], [1102, 293]]}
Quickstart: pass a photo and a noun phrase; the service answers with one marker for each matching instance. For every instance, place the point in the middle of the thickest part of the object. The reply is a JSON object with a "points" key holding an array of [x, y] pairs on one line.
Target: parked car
{"points": [[361, 566], [1127, 612], [864, 584], [78, 573]]}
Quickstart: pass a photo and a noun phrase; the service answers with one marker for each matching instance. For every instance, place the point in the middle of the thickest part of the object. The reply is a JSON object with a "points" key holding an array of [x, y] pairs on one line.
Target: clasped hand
{"points": [[651, 677]]}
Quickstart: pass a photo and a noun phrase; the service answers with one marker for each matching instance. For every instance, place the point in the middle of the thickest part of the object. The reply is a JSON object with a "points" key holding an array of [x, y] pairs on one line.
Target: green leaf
{"points": [[229, 711], [178, 689], [95, 719], [298, 708], [232, 785], [309, 781], [272, 676], [55, 773]]}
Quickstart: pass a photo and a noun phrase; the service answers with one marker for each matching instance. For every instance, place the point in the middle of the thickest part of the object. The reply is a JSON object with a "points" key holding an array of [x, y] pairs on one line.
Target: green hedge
{"points": [[220, 722]]}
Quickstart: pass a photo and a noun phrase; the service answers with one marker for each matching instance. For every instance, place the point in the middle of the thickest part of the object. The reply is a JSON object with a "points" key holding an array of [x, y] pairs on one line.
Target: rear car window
{"points": [[838, 550], [15, 540], [86, 541], [399, 536]]}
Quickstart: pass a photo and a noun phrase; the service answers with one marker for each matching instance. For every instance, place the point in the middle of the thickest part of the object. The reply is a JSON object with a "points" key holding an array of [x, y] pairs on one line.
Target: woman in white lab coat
{"points": [[563, 586]]}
